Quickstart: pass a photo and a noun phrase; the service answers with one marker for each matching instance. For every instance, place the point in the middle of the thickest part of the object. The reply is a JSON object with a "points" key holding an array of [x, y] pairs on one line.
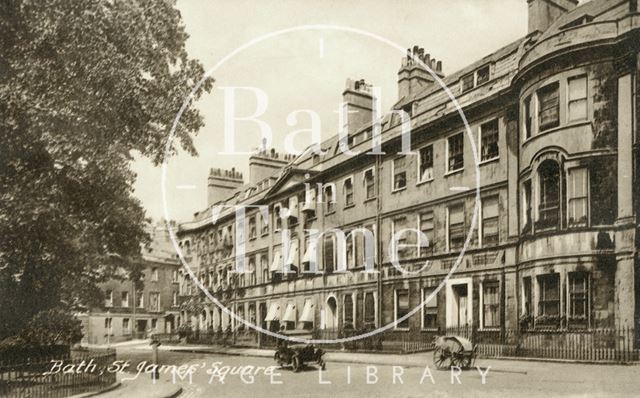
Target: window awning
{"points": [[290, 313], [276, 265], [311, 252], [309, 200], [292, 258], [293, 205], [307, 311], [274, 313]]}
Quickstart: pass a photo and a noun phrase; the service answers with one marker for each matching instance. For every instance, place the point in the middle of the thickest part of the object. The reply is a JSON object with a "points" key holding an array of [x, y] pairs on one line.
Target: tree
{"points": [[83, 85]]}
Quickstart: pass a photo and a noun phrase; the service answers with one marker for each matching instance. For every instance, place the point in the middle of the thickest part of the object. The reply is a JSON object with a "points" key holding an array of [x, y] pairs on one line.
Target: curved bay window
{"points": [[549, 204]]}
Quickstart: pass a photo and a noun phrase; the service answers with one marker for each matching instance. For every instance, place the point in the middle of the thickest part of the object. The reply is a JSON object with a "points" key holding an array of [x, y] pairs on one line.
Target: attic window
{"points": [[482, 76], [476, 78], [585, 19]]}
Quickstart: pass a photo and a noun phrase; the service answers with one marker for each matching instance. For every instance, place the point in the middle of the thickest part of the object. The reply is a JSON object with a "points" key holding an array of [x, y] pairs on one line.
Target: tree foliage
{"points": [[83, 85]]}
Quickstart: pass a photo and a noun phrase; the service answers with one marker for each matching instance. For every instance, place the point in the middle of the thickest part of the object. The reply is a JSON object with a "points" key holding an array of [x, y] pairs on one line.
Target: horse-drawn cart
{"points": [[454, 351]]}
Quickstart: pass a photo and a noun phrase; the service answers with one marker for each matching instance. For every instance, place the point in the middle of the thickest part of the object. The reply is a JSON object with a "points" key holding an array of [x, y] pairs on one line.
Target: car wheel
{"points": [[296, 364]]}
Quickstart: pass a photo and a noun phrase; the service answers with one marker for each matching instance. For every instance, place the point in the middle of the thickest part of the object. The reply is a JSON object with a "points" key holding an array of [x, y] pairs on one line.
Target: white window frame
{"points": [[344, 192], [375, 306], [481, 217], [588, 295], [482, 320], [393, 174], [154, 274], [364, 182], [419, 165], [123, 303], [585, 99], [276, 216], [446, 155], [329, 201], [334, 252], [399, 242], [353, 306], [108, 301], [395, 310], [433, 230], [448, 224], [252, 218], [570, 180], [424, 306], [479, 144]]}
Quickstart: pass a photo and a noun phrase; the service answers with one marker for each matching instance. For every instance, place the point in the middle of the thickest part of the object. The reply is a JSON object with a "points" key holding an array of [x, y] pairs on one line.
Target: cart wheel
{"points": [[458, 356], [296, 364], [442, 358]]}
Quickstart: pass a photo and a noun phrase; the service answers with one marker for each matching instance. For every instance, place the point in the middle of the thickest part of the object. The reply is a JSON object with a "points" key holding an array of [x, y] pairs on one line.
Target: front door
{"points": [[459, 293]]}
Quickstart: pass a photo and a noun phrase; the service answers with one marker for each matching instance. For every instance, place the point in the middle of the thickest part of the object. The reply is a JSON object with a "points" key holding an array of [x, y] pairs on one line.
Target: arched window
{"points": [[348, 312], [549, 204]]}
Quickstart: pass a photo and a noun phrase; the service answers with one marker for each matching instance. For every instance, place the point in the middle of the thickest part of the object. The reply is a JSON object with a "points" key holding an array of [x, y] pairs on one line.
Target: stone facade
{"points": [[548, 168], [156, 306]]}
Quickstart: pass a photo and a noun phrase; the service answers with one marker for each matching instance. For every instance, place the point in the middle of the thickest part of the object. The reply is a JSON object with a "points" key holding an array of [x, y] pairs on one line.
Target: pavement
{"points": [[128, 385]]}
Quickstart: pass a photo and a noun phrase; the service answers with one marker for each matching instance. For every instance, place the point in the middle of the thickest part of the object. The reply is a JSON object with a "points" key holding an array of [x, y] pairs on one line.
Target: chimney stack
{"points": [[358, 101], [413, 75], [543, 13], [222, 183], [266, 163]]}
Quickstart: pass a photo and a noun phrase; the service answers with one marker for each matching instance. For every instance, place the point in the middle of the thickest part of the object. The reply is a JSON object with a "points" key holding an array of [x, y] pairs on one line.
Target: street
{"points": [[501, 378]]}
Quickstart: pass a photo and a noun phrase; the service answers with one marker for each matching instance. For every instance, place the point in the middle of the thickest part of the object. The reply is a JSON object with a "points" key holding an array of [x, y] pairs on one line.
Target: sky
{"points": [[307, 69]]}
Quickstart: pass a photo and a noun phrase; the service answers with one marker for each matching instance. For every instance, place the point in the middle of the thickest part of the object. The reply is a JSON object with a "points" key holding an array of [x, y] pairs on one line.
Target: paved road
{"points": [[503, 379]]}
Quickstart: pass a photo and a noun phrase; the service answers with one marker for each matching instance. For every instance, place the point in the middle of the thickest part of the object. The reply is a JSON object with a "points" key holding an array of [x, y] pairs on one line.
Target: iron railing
{"points": [[35, 377]]}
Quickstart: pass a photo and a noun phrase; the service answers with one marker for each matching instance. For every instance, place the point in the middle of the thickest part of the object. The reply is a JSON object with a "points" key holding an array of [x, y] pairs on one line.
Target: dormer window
{"points": [[468, 82], [482, 75], [476, 78]]}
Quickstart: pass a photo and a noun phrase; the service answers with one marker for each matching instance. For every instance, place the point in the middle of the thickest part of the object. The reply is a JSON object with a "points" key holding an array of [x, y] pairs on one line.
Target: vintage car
{"points": [[296, 355]]}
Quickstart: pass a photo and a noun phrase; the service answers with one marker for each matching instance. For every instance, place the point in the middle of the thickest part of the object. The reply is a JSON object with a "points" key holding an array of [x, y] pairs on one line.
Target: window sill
{"points": [[424, 182], [349, 206], [489, 329], [398, 189], [369, 200], [330, 213], [453, 172], [403, 329], [487, 161], [429, 329]]}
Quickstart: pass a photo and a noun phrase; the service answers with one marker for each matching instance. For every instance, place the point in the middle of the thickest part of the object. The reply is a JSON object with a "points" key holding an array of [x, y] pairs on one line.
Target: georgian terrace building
{"points": [[553, 118]]}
